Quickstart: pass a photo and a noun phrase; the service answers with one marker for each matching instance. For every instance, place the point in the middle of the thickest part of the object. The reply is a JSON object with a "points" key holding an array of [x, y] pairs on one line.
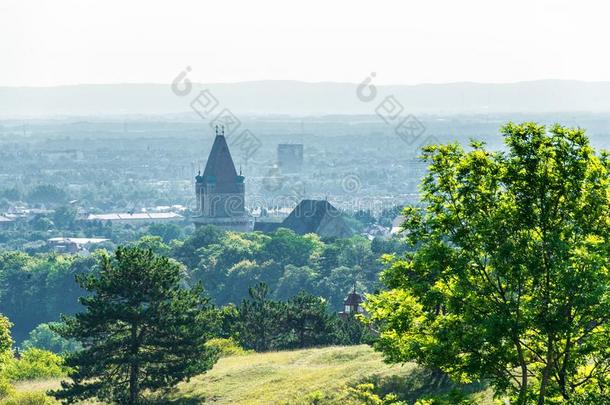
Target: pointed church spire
{"points": [[220, 167]]}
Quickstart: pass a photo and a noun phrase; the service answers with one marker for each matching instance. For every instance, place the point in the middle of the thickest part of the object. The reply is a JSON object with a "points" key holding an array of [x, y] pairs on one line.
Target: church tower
{"points": [[220, 191]]}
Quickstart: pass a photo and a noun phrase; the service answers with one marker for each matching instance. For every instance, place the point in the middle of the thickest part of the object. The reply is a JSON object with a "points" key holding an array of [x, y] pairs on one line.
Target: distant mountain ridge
{"points": [[303, 99]]}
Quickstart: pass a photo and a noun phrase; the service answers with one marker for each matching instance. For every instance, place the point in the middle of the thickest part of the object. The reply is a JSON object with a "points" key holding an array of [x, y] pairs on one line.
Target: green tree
{"points": [[5, 335], [154, 243], [11, 194], [510, 280], [308, 321], [42, 337], [42, 223], [294, 280], [338, 283], [6, 356], [351, 331], [203, 236], [141, 331], [167, 232], [47, 194], [65, 217], [286, 247], [22, 282], [260, 320]]}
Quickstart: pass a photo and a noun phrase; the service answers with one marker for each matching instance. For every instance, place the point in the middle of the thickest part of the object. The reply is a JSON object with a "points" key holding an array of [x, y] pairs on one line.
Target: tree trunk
{"points": [[134, 368], [563, 372], [547, 371], [523, 389]]}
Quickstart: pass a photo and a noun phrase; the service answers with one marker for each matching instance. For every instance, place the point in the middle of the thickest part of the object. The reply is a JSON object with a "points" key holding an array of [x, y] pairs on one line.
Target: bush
{"points": [[454, 397], [35, 364], [365, 394], [227, 347], [29, 398], [6, 388]]}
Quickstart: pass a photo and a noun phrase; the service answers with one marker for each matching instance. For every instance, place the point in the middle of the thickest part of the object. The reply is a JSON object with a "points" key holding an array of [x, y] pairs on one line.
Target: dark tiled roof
{"points": [[308, 215], [266, 227], [311, 216], [220, 168], [317, 216]]}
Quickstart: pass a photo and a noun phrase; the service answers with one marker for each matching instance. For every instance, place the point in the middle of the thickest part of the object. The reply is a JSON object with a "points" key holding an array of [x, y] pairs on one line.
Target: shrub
{"points": [[365, 394], [35, 364], [29, 398], [227, 347], [316, 397], [454, 397], [6, 388]]}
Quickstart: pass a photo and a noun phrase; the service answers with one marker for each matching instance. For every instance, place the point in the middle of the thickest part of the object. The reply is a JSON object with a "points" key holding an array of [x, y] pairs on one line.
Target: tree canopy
{"points": [[140, 331], [509, 282]]}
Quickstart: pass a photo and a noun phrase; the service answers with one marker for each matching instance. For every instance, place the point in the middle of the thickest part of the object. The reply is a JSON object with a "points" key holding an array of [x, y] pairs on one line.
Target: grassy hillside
{"points": [[303, 377]]}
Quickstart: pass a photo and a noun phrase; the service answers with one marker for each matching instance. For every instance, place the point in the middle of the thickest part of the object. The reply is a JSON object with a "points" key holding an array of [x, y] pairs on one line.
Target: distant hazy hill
{"points": [[299, 98]]}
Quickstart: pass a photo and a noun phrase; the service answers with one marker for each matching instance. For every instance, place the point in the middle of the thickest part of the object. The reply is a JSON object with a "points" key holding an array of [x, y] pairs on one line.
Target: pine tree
{"points": [[308, 321], [140, 331], [260, 320]]}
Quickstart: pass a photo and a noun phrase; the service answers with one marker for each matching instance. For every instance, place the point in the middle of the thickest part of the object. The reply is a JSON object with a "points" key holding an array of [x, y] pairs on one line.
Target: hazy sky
{"points": [[80, 41]]}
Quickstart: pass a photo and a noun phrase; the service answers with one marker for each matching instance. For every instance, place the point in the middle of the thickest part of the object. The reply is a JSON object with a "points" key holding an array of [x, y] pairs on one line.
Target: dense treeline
{"points": [[141, 328], [35, 289], [263, 324]]}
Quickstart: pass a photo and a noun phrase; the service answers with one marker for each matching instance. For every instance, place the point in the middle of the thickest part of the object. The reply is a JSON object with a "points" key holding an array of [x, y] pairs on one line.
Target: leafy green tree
{"points": [[42, 337], [6, 356], [35, 290], [154, 243], [338, 283], [286, 247], [167, 232], [237, 281], [141, 331], [65, 217], [510, 281], [294, 280], [203, 236], [61, 292], [228, 321], [22, 281], [6, 342]]}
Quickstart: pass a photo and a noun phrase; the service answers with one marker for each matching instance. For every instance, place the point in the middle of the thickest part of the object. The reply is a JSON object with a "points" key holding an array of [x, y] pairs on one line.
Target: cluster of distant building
{"points": [[75, 245], [220, 201], [220, 195], [136, 217]]}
